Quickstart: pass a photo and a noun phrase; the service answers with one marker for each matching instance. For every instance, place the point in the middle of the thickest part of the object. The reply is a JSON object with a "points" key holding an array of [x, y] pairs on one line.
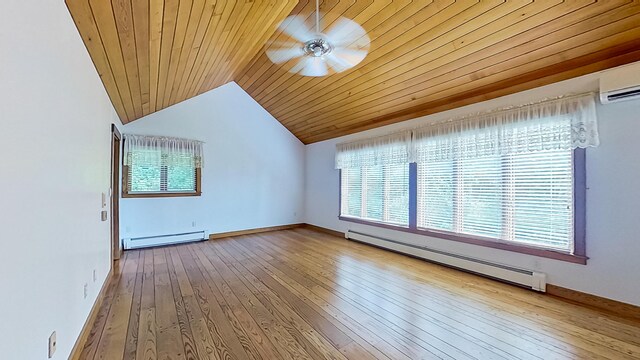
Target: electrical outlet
{"points": [[95, 277], [52, 344], [86, 290]]}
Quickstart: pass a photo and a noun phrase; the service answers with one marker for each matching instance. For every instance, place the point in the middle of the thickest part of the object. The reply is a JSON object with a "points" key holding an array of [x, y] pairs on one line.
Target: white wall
{"points": [[55, 119], [613, 198], [252, 176]]}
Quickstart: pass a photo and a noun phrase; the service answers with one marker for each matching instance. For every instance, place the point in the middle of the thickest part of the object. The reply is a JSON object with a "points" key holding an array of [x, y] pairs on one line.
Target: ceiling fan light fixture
{"points": [[342, 46]]}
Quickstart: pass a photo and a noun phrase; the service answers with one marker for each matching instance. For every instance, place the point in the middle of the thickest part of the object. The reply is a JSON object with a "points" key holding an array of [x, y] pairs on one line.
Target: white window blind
{"points": [[379, 193], [525, 198], [151, 172]]}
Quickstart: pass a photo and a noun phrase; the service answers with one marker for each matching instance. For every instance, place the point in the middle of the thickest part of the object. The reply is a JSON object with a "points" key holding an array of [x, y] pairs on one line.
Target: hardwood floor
{"points": [[302, 294]]}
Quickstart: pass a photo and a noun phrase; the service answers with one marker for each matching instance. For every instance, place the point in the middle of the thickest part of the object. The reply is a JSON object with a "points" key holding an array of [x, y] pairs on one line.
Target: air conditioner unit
{"points": [[621, 83]]}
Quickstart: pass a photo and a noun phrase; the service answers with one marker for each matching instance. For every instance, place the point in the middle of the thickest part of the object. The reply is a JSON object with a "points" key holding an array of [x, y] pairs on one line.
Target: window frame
{"points": [[579, 219], [160, 194]]}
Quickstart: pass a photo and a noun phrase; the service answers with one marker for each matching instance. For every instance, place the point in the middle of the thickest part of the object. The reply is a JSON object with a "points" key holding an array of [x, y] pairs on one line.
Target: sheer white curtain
{"points": [[567, 122], [563, 123], [151, 148], [383, 150]]}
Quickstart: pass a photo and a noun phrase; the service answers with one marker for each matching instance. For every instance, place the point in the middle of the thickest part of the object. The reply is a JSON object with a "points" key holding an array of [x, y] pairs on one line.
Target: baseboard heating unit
{"points": [[168, 239], [526, 278]]}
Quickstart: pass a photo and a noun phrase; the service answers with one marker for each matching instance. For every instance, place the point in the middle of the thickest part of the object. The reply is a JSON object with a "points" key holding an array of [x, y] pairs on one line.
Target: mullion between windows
{"points": [[389, 190], [385, 194], [458, 197], [363, 198], [413, 196], [164, 170], [508, 198]]}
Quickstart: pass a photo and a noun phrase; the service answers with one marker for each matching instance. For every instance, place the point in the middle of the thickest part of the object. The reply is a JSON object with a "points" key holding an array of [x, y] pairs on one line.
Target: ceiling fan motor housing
{"points": [[317, 47]]}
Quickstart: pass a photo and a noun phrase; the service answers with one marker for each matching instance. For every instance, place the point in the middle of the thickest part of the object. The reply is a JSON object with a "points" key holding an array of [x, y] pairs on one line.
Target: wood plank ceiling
{"points": [[151, 54], [426, 56]]}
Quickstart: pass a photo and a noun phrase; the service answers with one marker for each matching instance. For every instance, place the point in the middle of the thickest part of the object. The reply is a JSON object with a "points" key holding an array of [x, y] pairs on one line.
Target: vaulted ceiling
{"points": [[426, 56], [154, 53]]}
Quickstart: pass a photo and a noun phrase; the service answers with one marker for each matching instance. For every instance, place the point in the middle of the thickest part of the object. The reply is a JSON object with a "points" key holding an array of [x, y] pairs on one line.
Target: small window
{"points": [[157, 167]]}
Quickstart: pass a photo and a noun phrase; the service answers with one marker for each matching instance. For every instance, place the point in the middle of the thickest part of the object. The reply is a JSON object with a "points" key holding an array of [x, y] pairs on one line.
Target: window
{"points": [[522, 198], [156, 167], [512, 179], [377, 193]]}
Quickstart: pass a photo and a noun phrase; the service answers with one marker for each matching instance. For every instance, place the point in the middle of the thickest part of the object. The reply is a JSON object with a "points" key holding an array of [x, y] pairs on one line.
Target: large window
{"points": [[157, 167], [522, 202], [523, 198], [513, 179], [377, 193]]}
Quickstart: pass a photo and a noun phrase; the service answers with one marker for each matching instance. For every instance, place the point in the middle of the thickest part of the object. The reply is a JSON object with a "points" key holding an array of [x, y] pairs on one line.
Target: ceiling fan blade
{"points": [[350, 56], [296, 27], [336, 63], [280, 56], [316, 67], [299, 66], [311, 66], [345, 32]]}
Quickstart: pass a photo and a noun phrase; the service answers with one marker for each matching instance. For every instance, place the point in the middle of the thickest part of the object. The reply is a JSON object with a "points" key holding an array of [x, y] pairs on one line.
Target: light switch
{"points": [[103, 215], [52, 344]]}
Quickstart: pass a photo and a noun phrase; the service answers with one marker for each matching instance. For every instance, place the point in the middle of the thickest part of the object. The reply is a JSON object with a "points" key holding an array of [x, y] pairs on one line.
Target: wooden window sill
{"points": [[161, 195]]}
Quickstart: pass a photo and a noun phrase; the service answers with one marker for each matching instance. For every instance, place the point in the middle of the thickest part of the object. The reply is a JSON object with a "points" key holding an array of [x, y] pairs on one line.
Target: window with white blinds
{"points": [[160, 166], [152, 171], [512, 178], [524, 198], [377, 193]]}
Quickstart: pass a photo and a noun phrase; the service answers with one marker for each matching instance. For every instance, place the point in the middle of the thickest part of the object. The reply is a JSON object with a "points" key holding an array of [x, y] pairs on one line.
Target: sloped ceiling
{"points": [[426, 56], [154, 53]]}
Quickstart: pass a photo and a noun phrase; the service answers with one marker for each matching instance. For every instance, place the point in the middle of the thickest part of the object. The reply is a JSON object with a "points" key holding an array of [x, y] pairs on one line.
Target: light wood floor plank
{"points": [[303, 294], [169, 340]]}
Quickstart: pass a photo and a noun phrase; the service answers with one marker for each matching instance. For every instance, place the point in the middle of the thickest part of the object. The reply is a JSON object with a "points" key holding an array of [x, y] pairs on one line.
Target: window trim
{"points": [[579, 221], [126, 194]]}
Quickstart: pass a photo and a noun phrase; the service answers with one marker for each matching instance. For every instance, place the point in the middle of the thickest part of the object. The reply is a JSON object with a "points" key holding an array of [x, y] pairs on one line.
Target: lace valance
{"points": [[383, 150], [174, 150], [566, 122]]}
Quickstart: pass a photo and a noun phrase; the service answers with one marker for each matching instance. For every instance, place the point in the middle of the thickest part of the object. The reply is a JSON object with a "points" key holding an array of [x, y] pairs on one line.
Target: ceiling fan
{"points": [[344, 45]]}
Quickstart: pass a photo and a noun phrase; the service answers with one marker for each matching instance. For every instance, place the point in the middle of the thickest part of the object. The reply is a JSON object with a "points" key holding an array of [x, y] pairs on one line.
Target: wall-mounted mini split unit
{"points": [[167, 239], [620, 84], [526, 278]]}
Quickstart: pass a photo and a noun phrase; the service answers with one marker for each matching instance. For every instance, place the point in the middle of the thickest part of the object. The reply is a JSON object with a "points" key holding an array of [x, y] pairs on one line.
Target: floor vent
{"points": [[168, 239], [526, 278]]}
